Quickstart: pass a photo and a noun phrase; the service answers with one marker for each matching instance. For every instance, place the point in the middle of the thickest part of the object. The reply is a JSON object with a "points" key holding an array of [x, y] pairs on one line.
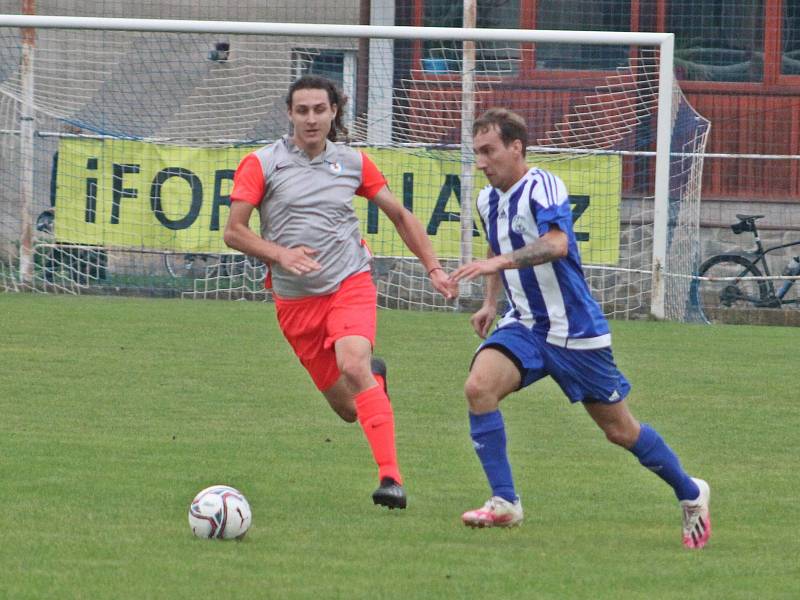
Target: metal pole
{"points": [[362, 64], [627, 38], [661, 201], [467, 119], [381, 77], [26, 148]]}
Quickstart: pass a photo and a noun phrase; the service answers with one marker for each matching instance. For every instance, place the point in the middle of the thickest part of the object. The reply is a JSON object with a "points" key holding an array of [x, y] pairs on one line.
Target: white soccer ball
{"points": [[221, 512]]}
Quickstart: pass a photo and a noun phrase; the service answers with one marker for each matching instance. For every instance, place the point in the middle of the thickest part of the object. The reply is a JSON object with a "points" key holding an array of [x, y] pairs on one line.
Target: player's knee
{"points": [[355, 370], [479, 395], [472, 390]]}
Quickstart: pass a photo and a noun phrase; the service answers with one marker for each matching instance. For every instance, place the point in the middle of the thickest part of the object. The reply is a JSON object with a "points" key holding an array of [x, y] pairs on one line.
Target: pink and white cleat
{"points": [[497, 512], [697, 517]]}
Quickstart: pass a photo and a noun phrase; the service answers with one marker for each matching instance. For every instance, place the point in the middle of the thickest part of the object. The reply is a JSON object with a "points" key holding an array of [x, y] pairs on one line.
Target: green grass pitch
{"points": [[115, 412]]}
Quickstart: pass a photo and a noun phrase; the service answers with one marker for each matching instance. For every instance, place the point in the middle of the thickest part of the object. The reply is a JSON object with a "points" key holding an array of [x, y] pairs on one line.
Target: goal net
{"points": [[118, 144]]}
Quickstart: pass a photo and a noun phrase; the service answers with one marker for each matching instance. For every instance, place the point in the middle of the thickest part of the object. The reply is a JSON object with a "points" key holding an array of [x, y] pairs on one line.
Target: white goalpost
{"points": [[119, 137]]}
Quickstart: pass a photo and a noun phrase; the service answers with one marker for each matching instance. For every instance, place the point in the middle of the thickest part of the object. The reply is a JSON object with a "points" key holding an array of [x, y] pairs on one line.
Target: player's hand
{"points": [[482, 320], [299, 260], [476, 268], [444, 284]]}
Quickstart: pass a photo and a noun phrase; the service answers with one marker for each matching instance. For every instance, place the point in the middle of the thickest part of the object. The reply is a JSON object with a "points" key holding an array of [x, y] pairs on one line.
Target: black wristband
{"points": [[435, 269]]}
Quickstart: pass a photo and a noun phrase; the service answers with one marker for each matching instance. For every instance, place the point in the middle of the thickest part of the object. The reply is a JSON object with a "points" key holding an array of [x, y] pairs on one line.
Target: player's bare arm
{"points": [[483, 318], [414, 237], [239, 236], [551, 246]]}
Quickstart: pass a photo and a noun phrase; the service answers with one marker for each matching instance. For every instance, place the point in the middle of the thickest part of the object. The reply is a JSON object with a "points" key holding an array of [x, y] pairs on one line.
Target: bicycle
{"points": [[189, 265], [725, 288], [205, 266]]}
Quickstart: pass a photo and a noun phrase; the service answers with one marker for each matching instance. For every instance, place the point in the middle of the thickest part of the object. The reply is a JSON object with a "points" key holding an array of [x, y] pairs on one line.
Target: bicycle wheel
{"points": [[728, 301], [256, 269], [174, 264], [185, 266]]}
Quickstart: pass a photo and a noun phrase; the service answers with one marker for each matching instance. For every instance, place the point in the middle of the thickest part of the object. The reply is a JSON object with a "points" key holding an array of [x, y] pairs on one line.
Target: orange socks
{"points": [[377, 420]]}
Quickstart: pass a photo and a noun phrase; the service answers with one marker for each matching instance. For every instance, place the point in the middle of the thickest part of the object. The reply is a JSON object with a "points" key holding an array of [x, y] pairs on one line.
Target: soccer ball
{"points": [[221, 512]]}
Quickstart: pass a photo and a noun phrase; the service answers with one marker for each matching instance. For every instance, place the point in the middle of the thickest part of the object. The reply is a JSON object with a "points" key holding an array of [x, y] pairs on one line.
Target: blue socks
{"points": [[653, 453], [488, 434], [489, 439]]}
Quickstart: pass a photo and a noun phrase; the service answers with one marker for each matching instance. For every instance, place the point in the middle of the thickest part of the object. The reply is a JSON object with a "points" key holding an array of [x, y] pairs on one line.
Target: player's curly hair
{"points": [[510, 125], [335, 96]]}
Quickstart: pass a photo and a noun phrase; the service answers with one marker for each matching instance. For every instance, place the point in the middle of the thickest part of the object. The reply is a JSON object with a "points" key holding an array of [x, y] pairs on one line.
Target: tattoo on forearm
{"points": [[535, 253]]}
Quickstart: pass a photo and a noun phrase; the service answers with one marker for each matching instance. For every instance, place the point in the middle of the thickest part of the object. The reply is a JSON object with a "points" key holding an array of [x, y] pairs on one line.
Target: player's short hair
{"points": [[510, 125], [335, 96]]}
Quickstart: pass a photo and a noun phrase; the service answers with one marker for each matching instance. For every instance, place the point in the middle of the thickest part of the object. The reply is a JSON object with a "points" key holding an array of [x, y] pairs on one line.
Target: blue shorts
{"points": [[583, 375]]}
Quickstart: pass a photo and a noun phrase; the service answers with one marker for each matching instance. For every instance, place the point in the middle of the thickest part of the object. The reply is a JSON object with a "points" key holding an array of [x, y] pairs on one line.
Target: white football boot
{"points": [[497, 512], [697, 517]]}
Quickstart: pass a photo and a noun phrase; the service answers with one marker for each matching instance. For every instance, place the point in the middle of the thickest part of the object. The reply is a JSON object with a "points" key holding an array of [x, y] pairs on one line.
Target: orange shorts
{"points": [[312, 324]]}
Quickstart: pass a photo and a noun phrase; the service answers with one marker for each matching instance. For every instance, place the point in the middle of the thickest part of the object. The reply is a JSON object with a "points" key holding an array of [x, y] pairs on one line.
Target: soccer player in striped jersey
{"points": [[325, 300], [552, 327]]}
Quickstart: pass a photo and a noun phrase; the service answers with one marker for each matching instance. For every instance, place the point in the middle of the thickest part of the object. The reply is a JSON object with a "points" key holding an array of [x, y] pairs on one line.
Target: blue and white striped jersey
{"points": [[552, 298]]}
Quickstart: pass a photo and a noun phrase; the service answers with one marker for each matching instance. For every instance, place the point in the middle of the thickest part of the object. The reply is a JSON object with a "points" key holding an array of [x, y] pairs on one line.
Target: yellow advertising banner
{"points": [[128, 193]]}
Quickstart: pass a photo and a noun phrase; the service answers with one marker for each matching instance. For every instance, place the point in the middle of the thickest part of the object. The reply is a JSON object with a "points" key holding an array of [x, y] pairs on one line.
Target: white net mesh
{"points": [[138, 136]]}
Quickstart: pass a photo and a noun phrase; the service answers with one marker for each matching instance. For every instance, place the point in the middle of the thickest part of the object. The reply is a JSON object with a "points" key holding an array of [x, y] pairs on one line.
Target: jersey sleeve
{"points": [[372, 180], [550, 203], [248, 181]]}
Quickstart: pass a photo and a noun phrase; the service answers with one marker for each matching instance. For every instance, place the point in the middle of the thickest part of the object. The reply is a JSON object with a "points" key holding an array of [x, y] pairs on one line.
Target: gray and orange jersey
{"points": [[308, 202]]}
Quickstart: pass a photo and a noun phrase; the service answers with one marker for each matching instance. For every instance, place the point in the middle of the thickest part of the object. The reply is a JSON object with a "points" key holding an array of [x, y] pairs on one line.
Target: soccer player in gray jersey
{"points": [[325, 299]]}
